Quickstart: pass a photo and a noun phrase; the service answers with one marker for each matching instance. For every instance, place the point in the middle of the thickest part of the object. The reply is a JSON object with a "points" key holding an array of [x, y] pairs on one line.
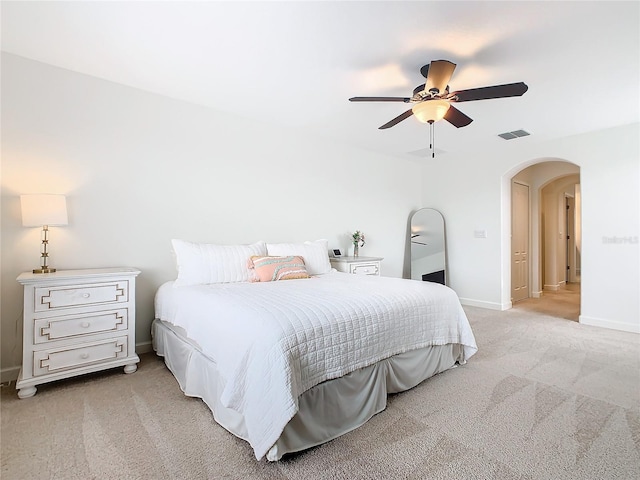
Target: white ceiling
{"points": [[297, 63]]}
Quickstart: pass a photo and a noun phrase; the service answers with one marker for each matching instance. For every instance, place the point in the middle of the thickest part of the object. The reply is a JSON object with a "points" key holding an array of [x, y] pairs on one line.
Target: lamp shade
{"points": [[43, 209], [430, 110]]}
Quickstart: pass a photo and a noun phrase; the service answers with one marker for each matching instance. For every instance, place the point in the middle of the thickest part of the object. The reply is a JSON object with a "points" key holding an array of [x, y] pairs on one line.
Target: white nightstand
{"points": [[76, 322], [357, 265]]}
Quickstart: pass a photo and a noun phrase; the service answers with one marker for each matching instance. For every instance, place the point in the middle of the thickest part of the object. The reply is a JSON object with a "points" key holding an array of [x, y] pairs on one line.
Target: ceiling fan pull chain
{"points": [[432, 140]]}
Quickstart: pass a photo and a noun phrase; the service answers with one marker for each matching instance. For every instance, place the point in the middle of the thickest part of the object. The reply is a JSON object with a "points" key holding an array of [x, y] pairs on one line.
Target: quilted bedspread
{"points": [[273, 341]]}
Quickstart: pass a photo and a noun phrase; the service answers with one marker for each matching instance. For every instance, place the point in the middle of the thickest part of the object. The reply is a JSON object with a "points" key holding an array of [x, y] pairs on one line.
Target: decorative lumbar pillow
{"points": [[271, 269], [315, 254], [204, 263]]}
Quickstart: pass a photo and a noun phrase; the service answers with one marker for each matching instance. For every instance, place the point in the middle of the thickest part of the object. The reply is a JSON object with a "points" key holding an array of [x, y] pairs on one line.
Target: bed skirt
{"points": [[326, 411]]}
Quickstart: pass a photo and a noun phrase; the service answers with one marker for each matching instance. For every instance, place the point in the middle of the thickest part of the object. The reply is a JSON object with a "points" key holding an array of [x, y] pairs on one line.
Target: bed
{"points": [[288, 365]]}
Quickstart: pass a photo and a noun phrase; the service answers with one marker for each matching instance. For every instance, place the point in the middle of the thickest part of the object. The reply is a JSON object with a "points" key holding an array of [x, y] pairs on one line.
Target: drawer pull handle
{"points": [[86, 295], [84, 356], [85, 324]]}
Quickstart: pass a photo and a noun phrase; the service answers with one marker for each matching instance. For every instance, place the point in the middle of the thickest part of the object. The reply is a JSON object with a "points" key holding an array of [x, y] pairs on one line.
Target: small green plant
{"points": [[358, 239]]}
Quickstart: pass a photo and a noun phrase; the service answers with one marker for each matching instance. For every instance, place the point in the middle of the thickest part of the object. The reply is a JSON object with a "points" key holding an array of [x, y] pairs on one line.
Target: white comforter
{"points": [[273, 341]]}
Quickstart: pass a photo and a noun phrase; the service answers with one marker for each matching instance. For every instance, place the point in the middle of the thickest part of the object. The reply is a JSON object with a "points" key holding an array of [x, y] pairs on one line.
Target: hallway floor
{"points": [[565, 303]]}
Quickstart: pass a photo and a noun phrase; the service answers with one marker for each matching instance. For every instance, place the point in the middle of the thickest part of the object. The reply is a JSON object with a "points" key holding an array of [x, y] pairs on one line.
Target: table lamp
{"points": [[43, 210]]}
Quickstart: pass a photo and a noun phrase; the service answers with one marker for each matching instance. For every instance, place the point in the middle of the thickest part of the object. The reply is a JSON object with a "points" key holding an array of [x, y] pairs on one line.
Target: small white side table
{"points": [[357, 265], [76, 322]]}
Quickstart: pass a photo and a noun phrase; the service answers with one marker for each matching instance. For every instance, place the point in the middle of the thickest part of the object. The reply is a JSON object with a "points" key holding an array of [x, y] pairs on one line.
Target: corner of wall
{"points": [[483, 304]]}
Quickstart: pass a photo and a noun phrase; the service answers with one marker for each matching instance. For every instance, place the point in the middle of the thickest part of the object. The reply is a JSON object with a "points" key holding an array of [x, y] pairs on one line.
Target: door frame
{"points": [[571, 222]]}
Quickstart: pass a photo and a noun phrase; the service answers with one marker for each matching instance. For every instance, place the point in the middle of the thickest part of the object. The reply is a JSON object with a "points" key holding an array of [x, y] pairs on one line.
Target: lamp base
{"points": [[44, 270]]}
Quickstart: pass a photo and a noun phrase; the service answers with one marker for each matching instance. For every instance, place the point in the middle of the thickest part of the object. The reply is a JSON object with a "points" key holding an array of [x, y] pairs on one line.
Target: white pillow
{"points": [[315, 254], [203, 263]]}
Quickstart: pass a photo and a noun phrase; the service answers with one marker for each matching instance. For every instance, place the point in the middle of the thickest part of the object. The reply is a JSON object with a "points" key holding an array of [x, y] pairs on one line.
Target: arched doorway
{"points": [[541, 223]]}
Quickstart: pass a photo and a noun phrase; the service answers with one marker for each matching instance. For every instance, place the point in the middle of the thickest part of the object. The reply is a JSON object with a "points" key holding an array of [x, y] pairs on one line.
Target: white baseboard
{"points": [[9, 374], [611, 324], [482, 304], [536, 294], [551, 288], [144, 347]]}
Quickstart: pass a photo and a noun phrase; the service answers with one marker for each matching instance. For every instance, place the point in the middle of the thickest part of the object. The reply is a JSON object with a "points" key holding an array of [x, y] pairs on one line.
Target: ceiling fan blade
{"points": [[438, 75], [456, 118], [380, 99], [484, 93], [396, 120]]}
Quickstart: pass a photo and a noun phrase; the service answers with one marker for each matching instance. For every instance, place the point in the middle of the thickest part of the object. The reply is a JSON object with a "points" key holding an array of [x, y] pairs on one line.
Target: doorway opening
{"points": [[546, 239]]}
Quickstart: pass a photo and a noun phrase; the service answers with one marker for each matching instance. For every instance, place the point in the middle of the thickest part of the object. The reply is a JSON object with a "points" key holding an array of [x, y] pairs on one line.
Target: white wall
{"points": [[474, 193], [139, 169]]}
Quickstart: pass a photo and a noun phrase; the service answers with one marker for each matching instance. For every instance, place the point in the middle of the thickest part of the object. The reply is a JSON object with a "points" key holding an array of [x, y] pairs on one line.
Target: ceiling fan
{"points": [[433, 101]]}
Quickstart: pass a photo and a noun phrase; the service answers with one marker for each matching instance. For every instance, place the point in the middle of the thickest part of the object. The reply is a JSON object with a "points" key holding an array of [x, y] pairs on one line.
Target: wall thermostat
{"points": [[337, 252]]}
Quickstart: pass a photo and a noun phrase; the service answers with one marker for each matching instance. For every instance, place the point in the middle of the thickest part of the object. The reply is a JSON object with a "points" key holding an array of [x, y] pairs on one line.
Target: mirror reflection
{"points": [[428, 255]]}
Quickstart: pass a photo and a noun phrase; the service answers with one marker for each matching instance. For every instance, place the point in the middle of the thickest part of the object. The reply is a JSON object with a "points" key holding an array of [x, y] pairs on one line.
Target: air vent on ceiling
{"points": [[514, 134]]}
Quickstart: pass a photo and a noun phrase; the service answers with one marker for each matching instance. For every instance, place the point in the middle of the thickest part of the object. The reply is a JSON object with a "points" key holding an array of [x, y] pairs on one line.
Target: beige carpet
{"points": [[563, 303], [544, 398]]}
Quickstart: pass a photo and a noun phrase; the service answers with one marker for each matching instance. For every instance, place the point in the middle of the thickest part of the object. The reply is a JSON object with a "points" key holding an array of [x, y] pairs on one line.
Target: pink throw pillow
{"points": [[271, 269]]}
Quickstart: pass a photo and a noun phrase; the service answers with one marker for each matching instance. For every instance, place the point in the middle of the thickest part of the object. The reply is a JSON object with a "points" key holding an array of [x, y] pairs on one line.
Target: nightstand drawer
{"points": [[365, 269], [67, 296], [70, 326], [357, 265], [59, 359]]}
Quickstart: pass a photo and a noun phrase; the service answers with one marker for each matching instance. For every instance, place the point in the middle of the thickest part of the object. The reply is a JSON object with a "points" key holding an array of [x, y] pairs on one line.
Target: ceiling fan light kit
{"points": [[430, 111]]}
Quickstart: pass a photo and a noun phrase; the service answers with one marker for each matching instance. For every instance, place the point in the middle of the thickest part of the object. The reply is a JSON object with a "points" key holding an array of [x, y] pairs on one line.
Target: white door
{"points": [[519, 241]]}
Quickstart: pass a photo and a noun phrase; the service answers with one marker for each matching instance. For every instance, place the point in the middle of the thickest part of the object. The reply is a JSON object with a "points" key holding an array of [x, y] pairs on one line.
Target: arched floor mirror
{"points": [[428, 250]]}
